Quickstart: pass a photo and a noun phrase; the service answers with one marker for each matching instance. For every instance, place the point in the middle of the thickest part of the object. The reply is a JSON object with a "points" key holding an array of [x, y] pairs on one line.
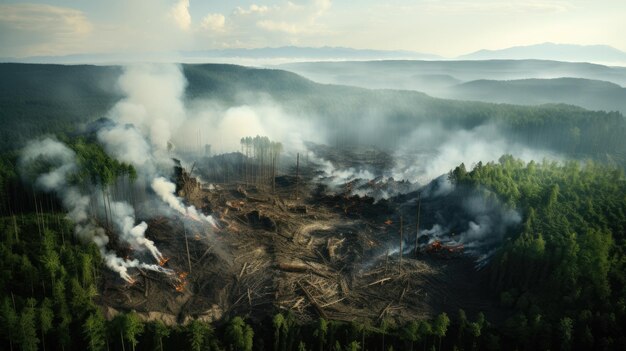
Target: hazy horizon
{"points": [[447, 29]]}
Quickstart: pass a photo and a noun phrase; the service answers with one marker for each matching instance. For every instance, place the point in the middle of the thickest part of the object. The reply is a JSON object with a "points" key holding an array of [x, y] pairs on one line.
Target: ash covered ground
{"points": [[332, 236]]}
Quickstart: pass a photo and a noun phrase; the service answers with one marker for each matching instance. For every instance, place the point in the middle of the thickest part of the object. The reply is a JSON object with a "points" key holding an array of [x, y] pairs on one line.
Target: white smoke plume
{"points": [[166, 191], [153, 102], [60, 163], [443, 149], [143, 126]]}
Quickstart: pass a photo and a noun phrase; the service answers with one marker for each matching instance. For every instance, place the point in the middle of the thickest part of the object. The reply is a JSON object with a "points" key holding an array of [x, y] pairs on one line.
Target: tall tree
{"points": [[9, 321], [46, 316], [94, 330], [133, 327], [440, 326], [28, 331], [160, 331]]}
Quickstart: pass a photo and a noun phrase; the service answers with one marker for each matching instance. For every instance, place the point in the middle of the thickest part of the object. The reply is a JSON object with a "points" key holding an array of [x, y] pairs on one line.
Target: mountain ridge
{"points": [[553, 51]]}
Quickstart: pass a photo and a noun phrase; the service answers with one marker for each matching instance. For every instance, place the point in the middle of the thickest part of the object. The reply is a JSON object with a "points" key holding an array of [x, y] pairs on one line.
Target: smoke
{"points": [[141, 128], [166, 189], [153, 103], [210, 122], [433, 150], [475, 218], [49, 164], [491, 219]]}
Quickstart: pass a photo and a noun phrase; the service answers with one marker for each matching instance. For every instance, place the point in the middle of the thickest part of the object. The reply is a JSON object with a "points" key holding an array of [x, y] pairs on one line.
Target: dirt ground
{"points": [[320, 254]]}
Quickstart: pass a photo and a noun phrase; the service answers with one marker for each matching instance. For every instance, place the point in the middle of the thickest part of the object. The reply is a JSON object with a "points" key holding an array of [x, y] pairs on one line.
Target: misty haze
{"points": [[312, 175]]}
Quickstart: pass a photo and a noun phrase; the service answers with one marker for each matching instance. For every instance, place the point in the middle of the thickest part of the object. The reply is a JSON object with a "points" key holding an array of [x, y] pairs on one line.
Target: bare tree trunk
{"points": [[17, 237], [400, 264], [109, 203], [417, 227], [104, 203], [187, 247], [122, 338], [37, 213], [297, 175]]}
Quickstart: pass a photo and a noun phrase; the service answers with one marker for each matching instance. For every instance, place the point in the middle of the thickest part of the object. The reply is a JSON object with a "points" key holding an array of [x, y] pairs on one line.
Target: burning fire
{"points": [[163, 261], [388, 222], [182, 282]]}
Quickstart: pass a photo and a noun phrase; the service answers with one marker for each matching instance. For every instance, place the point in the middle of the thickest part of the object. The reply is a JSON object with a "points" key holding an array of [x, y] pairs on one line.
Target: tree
{"points": [[566, 326], [353, 346], [199, 332], [424, 331], [46, 316], [9, 321], [239, 335], [278, 322], [160, 331], [94, 330], [385, 325], [133, 327], [440, 326], [410, 332], [28, 331], [321, 330]]}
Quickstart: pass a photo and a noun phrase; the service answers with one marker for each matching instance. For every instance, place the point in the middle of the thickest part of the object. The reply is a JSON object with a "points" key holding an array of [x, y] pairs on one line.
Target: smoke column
{"points": [[62, 161]]}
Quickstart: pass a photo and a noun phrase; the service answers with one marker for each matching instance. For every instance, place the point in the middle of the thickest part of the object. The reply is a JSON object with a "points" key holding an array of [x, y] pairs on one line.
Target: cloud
{"points": [[213, 21], [489, 6], [180, 14], [37, 29], [250, 10], [289, 18], [274, 26]]}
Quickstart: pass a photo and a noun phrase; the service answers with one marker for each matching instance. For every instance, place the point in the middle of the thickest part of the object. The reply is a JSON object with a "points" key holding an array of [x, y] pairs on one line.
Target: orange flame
{"points": [[180, 287], [388, 222], [163, 261]]}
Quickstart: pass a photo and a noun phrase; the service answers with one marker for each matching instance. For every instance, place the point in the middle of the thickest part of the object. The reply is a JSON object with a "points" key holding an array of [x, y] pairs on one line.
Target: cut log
{"points": [[379, 281], [313, 302]]}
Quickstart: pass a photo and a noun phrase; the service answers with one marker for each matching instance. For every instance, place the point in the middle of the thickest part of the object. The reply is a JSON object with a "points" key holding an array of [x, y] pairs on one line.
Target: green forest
{"points": [[561, 276]]}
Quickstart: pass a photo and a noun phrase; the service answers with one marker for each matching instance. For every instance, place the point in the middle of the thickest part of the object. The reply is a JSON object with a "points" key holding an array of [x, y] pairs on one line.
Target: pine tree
{"points": [[46, 316], [9, 321], [28, 331], [440, 326], [94, 330], [160, 331], [133, 327]]}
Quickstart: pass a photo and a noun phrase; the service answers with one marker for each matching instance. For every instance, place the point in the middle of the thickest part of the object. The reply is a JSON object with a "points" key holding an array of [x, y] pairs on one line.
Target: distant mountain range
{"points": [[601, 54], [525, 82], [285, 53], [433, 76], [557, 52]]}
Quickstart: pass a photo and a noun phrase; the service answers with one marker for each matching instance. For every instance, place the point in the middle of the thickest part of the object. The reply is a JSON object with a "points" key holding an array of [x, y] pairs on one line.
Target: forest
{"points": [[559, 277], [561, 274]]}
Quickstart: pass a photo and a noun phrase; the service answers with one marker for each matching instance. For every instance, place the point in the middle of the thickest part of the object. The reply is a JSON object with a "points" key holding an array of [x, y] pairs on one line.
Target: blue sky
{"points": [[444, 27]]}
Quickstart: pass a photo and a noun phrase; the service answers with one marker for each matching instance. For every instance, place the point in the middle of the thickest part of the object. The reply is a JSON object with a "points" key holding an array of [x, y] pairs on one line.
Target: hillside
{"points": [[63, 97], [590, 94], [398, 74]]}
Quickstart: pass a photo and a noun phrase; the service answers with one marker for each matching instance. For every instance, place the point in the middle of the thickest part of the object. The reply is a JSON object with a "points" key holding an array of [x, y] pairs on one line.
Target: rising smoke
{"points": [[138, 134], [154, 123], [60, 162]]}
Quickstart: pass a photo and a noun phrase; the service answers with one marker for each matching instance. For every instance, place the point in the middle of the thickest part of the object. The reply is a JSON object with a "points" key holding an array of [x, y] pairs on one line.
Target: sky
{"points": [[444, 27]]}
